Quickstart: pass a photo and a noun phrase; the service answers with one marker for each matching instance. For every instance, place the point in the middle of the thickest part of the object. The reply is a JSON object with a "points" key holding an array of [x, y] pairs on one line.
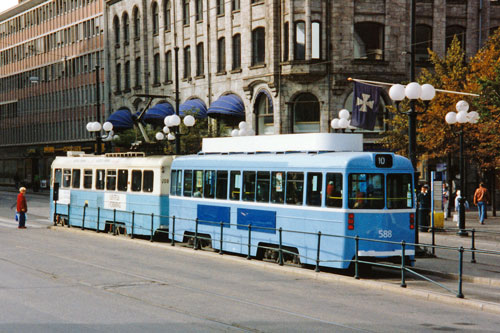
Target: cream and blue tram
{"points": [[96, 191]]}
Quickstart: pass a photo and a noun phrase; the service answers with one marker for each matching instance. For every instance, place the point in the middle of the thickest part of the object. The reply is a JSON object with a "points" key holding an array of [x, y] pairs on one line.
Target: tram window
{"points": [[209, 187], [147, 182], [188, 183], [277, 187], [221, 186], [334, 190], [198, 183], [173, 181], [122, 180], [248, 186], [99, 179], [366, 191], [111, 180], [58, 176], [76, 178], [136, 180], [294, 188], [263, 185], [66, 178], [399, 193], [314, 189], [178, 190], [87, 178], [235, 185]]}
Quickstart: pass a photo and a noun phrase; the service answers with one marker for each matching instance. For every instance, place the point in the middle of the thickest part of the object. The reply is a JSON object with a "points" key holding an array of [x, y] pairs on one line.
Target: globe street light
{"points": [[173, 121], [342, 122], [95, 127], [462, 117]]}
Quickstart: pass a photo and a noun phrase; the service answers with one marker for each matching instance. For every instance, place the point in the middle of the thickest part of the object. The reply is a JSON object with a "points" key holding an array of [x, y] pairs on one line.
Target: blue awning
{"points": [[228, 105], [121, 119], [194, 106], [156, 114]]}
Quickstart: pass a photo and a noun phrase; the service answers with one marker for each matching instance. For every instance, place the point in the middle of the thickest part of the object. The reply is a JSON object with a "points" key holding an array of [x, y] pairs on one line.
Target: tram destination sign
{"points": [[383, 161]]}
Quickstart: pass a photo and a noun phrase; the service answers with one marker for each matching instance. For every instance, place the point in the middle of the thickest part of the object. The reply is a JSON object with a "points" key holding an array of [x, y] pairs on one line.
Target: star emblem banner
{"points": [[365, 105]]}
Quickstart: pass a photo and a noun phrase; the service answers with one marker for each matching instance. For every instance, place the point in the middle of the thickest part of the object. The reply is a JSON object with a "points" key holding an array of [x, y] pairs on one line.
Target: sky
{"points": [[6, 4]]}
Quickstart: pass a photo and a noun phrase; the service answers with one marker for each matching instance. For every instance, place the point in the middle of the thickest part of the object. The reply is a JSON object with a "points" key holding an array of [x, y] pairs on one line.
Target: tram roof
{"points": [[82, 161], [290, 160]]}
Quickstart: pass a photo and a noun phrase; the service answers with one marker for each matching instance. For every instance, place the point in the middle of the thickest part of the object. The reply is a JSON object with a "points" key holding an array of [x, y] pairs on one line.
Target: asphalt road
{"points": [[60, 280]]}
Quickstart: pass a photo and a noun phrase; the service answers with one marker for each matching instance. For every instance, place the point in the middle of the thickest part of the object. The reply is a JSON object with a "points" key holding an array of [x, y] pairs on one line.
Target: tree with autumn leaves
{"points": [[435, 138]]}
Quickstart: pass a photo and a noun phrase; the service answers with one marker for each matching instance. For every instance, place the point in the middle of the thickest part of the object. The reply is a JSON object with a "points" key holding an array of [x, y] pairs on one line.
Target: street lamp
{"points": [[462, 117], [342, 122], [243, 129], [173, 121], [95, 127]]}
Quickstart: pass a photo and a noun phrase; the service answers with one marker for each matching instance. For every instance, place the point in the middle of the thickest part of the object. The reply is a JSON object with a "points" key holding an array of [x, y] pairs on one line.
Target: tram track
{"points": [[120, 290]]}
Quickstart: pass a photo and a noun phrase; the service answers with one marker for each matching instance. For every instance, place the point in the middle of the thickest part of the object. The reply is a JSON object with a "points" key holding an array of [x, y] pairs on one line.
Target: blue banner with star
{"points": [[365, 105]]}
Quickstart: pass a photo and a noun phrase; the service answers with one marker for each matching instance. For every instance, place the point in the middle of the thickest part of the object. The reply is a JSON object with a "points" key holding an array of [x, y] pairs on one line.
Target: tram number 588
{"points": [[383, 161], [385, 233]]}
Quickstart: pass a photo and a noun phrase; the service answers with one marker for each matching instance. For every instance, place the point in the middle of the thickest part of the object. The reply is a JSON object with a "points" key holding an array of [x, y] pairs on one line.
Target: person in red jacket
{"points": [[22, 208]]}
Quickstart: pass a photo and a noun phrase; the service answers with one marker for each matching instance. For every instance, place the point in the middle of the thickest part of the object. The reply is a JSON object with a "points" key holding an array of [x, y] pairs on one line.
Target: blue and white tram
{"points": [[110, 187], [336, 193]]}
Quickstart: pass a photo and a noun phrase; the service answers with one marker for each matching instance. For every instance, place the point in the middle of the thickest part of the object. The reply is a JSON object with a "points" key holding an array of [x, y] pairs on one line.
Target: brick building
{"points": [[49, 52]]}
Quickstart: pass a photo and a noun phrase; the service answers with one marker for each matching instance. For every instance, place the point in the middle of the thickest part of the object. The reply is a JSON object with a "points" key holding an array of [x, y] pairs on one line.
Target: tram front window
{"points": [[399, 193], [366, 191]]}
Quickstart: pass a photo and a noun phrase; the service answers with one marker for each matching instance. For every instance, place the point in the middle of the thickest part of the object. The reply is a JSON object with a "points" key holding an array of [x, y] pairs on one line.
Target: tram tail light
{"points": [[412, 221], [350, 221]]}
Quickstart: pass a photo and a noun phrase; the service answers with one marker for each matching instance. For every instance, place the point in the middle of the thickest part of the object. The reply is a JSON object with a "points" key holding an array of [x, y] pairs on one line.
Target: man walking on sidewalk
{"points": [[481, 199], [22, 208]]}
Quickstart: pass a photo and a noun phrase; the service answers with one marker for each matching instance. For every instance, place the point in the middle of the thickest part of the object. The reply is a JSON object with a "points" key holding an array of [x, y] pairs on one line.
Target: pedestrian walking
{"points": [[481, 199], [458, 197], [424, 208], [22, 208]]}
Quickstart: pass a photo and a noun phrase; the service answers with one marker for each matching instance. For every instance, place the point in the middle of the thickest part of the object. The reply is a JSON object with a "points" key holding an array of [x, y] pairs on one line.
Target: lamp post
{"points": [[173, 121], [342, 122], [95, 127], [462, 117]]}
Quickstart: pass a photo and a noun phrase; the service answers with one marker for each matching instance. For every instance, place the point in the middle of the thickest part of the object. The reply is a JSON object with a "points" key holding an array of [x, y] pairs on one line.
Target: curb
{"points": [[321, 276]]}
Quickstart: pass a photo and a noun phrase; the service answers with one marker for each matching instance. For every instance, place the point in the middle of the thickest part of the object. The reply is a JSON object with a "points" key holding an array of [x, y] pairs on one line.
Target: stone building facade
{"points": [[288, 60]]}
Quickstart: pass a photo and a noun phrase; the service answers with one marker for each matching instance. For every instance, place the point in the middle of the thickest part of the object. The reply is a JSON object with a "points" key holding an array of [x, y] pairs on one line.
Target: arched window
{"points": [[137, 23], [316, 40], [168, 66], [200, 60], [369, 41], [305, 114], [167, 8], [258, 46], [221, 55], [264, 115], [381, 114], [125, 28], [116, 29], [127, 75], [187, 62], [237, 51], [156, 68], [452, 31], [156, 22], [300, 41], [424, 42], [137, 72]]}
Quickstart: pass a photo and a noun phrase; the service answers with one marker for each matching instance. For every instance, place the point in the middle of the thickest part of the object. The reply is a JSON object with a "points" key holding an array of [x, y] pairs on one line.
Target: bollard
{"points": [[98, 217], [280, 257], [221, 236], [249, 241], [69, 210], [133, 224], [195, 243], [83, 217], [173, 232], [152, 226], [114, 222], [473, 248], [356, 248], [460, 269], [433, 242], [403, 282], [318, 251]]}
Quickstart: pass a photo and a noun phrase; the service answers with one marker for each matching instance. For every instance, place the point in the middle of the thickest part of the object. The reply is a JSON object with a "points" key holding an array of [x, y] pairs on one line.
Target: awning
{"points": [[156, 114], [121, 120], [195, 106], [228, 105]]}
